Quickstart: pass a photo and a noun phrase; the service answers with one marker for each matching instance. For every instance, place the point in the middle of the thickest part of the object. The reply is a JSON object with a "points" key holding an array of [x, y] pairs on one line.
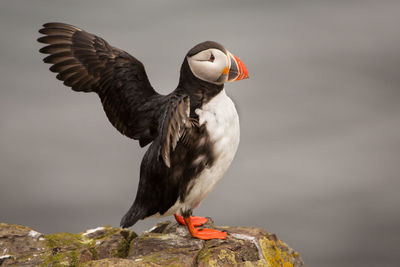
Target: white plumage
{"points": [[222, 124]]}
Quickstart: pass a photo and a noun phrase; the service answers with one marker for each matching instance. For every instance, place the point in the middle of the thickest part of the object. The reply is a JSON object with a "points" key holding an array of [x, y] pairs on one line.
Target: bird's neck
{"points": [[199, 91]]}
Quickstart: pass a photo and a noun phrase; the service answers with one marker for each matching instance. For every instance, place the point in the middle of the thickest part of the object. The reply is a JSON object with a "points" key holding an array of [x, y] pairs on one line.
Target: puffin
{"points": [[192, 133]]}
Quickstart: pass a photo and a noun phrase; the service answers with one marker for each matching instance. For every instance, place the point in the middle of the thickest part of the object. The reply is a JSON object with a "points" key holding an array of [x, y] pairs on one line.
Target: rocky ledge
{"points": [[167, 244]]}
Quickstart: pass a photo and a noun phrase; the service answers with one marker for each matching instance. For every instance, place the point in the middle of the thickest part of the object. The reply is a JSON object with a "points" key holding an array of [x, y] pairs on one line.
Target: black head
{"points": [[206, 68], [210, 62]]}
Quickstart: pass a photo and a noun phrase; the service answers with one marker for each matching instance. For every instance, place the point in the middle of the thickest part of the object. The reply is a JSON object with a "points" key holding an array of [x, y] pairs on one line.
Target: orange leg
{"points": [[196, 221], [204, 234]]}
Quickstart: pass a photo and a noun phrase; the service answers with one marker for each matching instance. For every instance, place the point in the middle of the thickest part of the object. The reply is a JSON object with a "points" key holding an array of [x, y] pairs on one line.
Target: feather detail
{"points": [[87, 63], [176, 122]]}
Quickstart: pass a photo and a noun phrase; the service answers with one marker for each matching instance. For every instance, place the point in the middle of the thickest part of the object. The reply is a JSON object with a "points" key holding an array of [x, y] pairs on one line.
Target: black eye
{"points": [[212, 58]]}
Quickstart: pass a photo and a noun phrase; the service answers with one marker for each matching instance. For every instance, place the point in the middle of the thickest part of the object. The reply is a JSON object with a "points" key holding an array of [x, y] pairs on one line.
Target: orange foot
{"points": [[204, 234], [196, 221], [207, 234]]}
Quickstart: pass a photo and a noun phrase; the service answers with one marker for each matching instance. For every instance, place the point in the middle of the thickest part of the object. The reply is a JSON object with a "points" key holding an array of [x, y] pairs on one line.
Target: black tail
{"points": [[132, 216]]}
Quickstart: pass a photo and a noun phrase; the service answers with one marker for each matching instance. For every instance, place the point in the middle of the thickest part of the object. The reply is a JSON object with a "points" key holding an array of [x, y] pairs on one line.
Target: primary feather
{"points": [[87, 63]]}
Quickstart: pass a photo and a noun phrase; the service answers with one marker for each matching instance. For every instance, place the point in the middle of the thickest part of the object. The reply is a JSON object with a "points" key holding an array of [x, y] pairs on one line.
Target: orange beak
{"points": [[238, 70]]}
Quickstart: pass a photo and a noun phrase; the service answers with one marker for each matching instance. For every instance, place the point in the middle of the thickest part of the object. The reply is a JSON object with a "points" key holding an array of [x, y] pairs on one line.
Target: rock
{"points": [[20, 245], [166, 244], [26, 247]]}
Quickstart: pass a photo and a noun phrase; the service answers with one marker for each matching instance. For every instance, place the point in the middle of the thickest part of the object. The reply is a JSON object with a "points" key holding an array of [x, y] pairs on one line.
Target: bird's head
{"points": [[212, 63]]}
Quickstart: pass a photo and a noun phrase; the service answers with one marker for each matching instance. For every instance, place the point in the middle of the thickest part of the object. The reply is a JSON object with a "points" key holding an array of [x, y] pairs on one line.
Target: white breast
{"points": [[222, 123]]}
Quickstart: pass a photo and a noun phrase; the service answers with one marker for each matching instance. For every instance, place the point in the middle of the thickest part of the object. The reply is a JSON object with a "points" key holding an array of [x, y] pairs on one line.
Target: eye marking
{"points": [[212, 58]]}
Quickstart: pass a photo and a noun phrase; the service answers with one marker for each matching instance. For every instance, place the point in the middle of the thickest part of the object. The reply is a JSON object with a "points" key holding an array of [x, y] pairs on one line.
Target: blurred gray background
{"points": [[319, 158]]}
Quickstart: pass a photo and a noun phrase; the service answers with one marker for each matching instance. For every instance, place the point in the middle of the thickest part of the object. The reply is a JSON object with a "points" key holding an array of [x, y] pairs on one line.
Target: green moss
{"points": [[108, 231], [58, 244], [74, 260], [65, 249], [204, 255], [63, 240], [93, 251], [59, 259], [124, 245], [14, 226]]}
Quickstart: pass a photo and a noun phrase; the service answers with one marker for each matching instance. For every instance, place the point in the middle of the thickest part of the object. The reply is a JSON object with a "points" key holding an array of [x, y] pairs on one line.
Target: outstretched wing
{"points": [[87, 63]]}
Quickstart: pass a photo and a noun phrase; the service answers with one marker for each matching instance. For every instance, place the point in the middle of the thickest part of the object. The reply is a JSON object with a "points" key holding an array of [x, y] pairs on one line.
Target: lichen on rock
{"points": [[167, 244], [27, 247]]}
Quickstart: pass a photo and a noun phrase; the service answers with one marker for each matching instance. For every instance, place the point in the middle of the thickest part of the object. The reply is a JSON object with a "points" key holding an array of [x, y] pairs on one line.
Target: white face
{"points": [[210, 65]]}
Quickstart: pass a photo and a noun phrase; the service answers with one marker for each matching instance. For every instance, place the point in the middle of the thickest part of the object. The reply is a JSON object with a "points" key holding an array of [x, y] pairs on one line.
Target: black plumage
{"points": [[87, 63]]}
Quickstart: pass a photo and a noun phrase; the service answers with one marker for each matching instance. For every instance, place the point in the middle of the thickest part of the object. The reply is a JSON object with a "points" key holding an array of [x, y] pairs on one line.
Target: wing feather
{"points": [[175, 123], [87, 63]]}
